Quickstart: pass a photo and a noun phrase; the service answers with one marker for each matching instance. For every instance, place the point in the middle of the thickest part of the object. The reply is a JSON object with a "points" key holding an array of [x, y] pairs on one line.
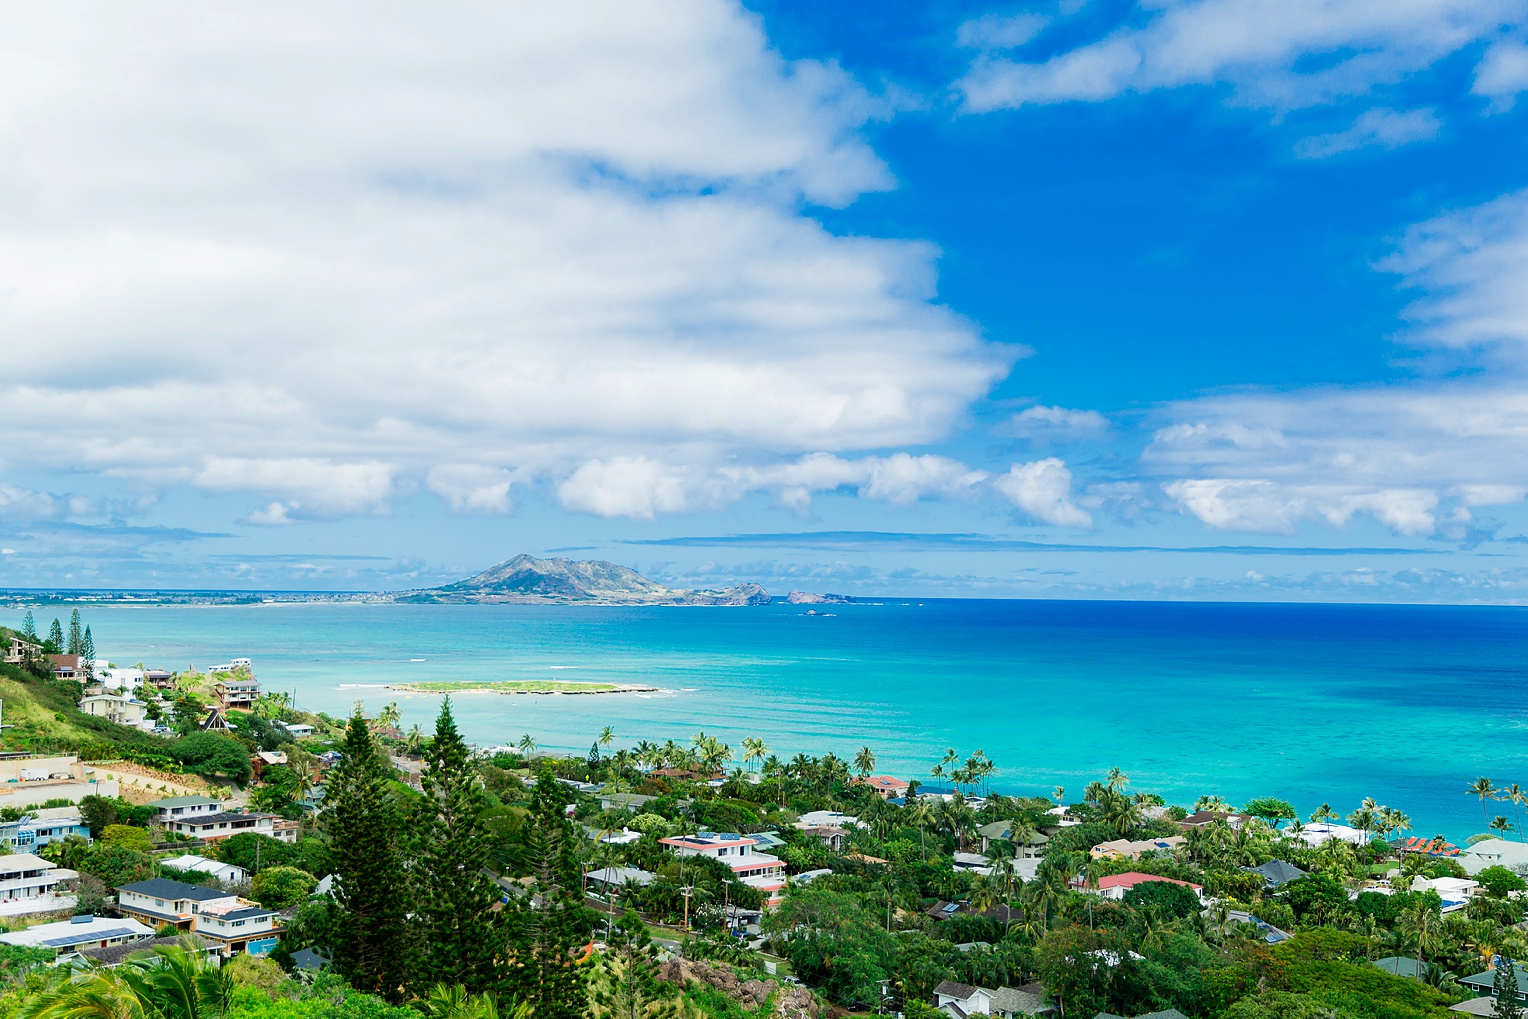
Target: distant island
{"points": [[808, 598], [522, 686], [526, 580]]}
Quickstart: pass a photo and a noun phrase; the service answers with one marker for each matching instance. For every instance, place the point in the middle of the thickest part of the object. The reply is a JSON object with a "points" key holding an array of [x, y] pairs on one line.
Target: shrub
{"points": [[280, 887]]}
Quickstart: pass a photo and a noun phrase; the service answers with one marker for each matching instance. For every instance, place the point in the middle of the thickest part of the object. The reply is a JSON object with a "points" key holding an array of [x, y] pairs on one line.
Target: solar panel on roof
{"points": [[75, 939]]}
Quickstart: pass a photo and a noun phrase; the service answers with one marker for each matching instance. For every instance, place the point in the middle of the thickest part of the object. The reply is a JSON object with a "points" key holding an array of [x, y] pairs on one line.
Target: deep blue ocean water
{"points": [[1313, 703]]}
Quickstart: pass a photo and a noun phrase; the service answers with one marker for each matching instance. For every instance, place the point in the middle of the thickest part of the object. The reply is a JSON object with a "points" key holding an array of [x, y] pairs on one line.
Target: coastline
{"points": [[522, 686]]}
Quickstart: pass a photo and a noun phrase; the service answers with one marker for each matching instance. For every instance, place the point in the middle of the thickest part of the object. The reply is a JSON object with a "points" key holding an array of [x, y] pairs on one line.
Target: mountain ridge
{"points": [[527, 580]]}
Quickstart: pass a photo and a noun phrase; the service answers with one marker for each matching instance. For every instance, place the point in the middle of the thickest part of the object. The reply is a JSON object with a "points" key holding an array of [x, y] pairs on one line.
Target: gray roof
{"points": [[1476, 1006], [219, 817], [308, 959], [951, 989], [1013, 1000], [111, 955], [1277, 872], [621, 876], [164, 888], [182, 801]]}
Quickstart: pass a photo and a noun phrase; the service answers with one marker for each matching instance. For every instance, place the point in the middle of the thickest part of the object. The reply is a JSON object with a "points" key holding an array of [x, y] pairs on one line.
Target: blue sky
{"points": [[1185, 299]]}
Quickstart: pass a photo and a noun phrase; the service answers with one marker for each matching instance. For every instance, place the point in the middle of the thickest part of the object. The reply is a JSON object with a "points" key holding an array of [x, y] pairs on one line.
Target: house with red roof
{"points": [[890, 788], [1116, 885], [757, 870]]}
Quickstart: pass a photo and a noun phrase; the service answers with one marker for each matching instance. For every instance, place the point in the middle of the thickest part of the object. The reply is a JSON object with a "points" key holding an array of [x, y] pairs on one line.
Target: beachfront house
{"points": [[236, 925], [755, 869], [69, 937], [1205, 818], [890, 788], [1002, 831], [1494, 853], [1116, 885]]}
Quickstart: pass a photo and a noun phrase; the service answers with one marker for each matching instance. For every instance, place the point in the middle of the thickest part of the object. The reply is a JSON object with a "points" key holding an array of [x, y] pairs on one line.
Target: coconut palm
{"points": [[1118, 780], [1501, 826], [388, 716], [1422, 928], [864, 762], [1483, 788], [415, 739], [1323, 813], [527, 746], [171, 982], [1518, 797], [1060, 793], [606, 736], [1215, 804]]}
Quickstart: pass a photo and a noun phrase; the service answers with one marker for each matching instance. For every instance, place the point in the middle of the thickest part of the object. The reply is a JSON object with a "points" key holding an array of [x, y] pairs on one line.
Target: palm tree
{"points": [[1483, 788], [1518, 797], [1421, 927], [388, 716], [415, 739], [606, 736], [1501, 826], [171, 982], [864, 762], [1323, 813], [754, 750], [1118, 780], [453, 1002], [1060, 793], [527, 747]]}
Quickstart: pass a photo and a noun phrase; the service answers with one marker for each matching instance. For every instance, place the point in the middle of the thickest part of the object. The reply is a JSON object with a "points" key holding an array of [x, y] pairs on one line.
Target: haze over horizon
{"points": [[1220, 299]]}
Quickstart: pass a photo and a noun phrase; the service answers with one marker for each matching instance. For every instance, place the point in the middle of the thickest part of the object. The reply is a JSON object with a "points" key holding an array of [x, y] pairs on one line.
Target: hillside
{"points": [[40, 716], [526, 580]]}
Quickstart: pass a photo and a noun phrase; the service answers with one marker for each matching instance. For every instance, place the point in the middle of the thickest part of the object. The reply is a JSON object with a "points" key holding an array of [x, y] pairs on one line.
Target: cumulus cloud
{"points": [[1381, 128], [1282, 54], [1057, 424], [1502, 73], [999, 31], [471, 488], [1043, 489], [397, 241], [643, 487]]}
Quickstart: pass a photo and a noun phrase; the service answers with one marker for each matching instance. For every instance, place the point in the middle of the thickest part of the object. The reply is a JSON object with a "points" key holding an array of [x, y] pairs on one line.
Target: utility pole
{"points": [[685, 891]]}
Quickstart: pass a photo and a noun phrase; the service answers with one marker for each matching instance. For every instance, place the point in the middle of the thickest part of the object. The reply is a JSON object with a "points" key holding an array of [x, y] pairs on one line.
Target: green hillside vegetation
{"points": [[42, 718]]}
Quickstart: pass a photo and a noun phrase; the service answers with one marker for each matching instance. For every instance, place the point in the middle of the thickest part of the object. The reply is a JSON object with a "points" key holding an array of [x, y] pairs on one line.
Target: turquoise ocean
{"points": [[1311, 703]]}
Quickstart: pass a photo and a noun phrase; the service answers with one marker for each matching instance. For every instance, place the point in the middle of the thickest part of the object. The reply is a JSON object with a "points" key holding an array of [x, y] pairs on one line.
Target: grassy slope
{"points": [[40, 715]]}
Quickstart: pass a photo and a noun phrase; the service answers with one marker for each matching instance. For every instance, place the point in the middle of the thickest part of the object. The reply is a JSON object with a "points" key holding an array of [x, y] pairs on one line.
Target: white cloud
{"points": [[1502, 73], [471, 488], [1380, 128], [1473, 266], [1043, 489], [1054, 423], [999, 31], [643, 487], [522, 235], [1282, 54], [26, 503], [306, 485], [1258, 505]]}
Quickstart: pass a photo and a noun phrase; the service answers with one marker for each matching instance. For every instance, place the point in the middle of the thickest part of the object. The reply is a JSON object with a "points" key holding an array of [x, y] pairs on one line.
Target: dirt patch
{"points": [[791, 1001]]}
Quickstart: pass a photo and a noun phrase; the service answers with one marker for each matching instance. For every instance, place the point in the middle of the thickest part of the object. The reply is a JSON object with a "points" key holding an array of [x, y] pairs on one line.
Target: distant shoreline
{"points": [[523, 686]]}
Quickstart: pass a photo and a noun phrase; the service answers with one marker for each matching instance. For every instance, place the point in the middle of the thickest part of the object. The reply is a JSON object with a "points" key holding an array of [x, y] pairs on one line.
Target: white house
{"points": [[1115, 886], [224, 824], [1494, 853], [299, 730], [175, 808], [69, 936], [1318, 832], [119, 709], [828, 819], [757, 870], [225, 872], [965, 999], [234, 924], [118, 680], [28, 884]]}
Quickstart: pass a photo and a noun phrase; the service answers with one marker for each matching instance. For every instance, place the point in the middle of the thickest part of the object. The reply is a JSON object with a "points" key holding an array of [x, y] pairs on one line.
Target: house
{"points": [[28, 884], [68, 667], [609, 879], [1401, 966], [50, 824], [115, 955], [1116, 885], [757, 870], [232, 665], [1437, 846], [961, 1000], [1124, 849], [1485, 1007], [889, 787], [767, 839], [159, 679], [214, 722], [1265, 930], [827, 818], [1003, 831], [225, 872], [22, 651], [234, 924], [263, 759], [116, 708], [828, 835], [177, 808], [1454, 891], [299, 730], [631, 802], [1276, 873], [1205, 818], [219, 826], [237, 694], [1485, 983], [117, 679], [1494, 853], [1003, 914], [1319, 832], [70, 937], [285, 830]]}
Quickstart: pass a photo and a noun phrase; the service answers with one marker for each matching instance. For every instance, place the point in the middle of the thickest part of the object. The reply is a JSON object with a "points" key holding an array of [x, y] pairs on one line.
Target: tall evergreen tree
{"points": [[462, 939], [370, 936], [76, 642], [56, 637], [87, 651], [633, 990], [546, 937], [1505, 991], [29, 628]]}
